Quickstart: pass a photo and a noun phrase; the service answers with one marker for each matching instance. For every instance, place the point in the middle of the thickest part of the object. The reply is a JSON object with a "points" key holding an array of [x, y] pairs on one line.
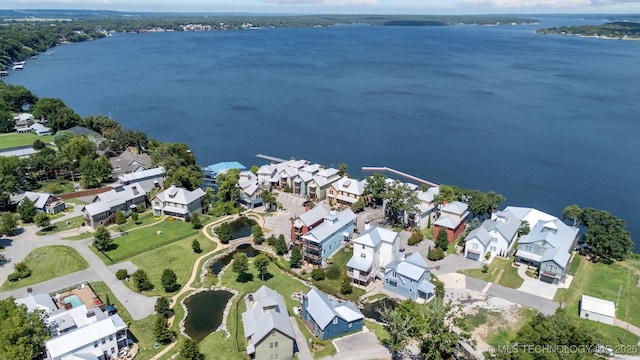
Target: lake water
{"points": [[547, 121]]}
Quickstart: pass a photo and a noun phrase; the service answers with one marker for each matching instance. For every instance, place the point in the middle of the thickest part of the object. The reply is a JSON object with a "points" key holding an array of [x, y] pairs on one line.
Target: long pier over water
{"points": [[399, 173]]}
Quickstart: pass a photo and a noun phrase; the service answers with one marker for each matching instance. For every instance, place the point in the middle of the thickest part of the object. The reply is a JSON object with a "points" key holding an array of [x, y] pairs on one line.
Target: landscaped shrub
{"points": [[195, 245], [17, 275], [485, 269], [122, 274], [435, 254], [345, 285], [271, 240], [333, 272], [487, 255], [120, 218], [317, 274], [415, 238]]}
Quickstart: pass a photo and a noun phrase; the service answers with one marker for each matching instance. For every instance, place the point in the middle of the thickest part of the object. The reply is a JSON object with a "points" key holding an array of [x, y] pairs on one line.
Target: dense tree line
{"points": [[614, 29]]}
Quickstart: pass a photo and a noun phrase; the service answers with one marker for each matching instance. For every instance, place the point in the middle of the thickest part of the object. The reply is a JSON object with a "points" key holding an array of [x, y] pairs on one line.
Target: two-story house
{"points": [[328, 318], [373, 249], [102, 210], [427, 206], [149, 179], [250, 192], [129, 162], [320, 182], [547, 247], [325, 239], [212, 171], [495, 236], [409, 277], [345, 191], [43, 202], [307, 221], [267, 176], [178, 202], [453, 217], [267, 327]]}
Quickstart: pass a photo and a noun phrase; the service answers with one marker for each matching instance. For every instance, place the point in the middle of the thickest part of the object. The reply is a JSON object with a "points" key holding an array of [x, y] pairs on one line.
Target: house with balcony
{"points": [[427, 206], [267, 176], [409, 278], [43, 202], [307, 221], [267, 327], [320, 182], [178, 202], [81, 333], [149, 179], [326, 318], [495, 236], [373, 250], [103, 208], [547, 247], [250, 192], [345, 191], [453, 217], [324, 240], [212, 171], [129, 162]]}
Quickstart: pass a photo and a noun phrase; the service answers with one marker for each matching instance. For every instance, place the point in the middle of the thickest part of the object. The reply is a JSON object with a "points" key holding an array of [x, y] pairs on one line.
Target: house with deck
{"points": [[267, 176], [427, 206], [409, 278], [177, 202], [267, 327], [495, 236], [345, 191], [212, 171], [325, 239], [250, 192], [129, 162], [307, 221], [320, 182], [373, 250], [453, 218], [327, 318], [547, 247], [43, 202], [103, 208], [149, 179]]}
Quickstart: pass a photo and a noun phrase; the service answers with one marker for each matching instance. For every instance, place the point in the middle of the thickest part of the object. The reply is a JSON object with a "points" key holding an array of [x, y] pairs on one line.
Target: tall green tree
{"points": [[606, 235], [258, 235], [442, 240], [77, 148], [572, 212], [224, 232], [261, 262], [58, 115], [440, 340], [62, 137], [196, 223], [342, 169], [42, 220], [189, 177], [240, 265], [269, 199], [161, 331], [281, 245], [7, 124], [400, 200], [102, 238], [22, 332], [169, 280], [228, 191], [120, 218], [8, 223], [27, 210], [296, 256], [141, 280], [163, 307], [190, 351], [376, 187], [95, 172], [397, 326], [17, 97]]}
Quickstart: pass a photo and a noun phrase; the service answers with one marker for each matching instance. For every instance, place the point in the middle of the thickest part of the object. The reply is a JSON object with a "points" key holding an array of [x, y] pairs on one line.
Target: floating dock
{"points": [[399, 173], [270, 158]]}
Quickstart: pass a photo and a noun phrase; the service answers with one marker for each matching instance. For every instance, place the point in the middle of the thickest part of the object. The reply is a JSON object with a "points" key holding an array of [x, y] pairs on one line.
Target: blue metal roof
{"points": [[224, 166]]}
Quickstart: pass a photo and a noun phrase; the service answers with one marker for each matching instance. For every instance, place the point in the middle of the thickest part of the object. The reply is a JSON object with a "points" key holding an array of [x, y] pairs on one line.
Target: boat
{"points": [[17, 63], [18, 67], [4, 73]]}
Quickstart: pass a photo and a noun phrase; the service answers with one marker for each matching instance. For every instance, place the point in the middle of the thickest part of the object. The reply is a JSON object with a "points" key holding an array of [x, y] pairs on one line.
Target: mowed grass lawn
{"points": [[69, 224], [138, 240], [332, 286], [509, 277], [15, 139], [46, 263]]}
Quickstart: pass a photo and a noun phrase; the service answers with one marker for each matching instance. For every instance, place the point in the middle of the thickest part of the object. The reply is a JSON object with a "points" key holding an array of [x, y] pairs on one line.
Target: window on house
{"points": [[335, 320], [95, 344], [113, 350], [474, 246], [110, 337], [528, 248], [104, 340], [275, 344], [350, 324], [363, 255], [492, 249]]}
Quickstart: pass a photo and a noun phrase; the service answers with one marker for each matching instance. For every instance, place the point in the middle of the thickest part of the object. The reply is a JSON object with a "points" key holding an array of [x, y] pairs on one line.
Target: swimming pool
{"points": [[74, 300]]}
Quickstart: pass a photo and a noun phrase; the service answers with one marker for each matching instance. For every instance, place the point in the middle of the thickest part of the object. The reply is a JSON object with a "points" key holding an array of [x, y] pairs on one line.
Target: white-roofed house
{"points": [[178, 202], [596, 309], [409, 277], [325, 239], [373, 249], [328, 318], [267, 176], [307, 221], [427, 206], [39, 301], [86, 334], [43, 202], [250, 192], [345, 191], [102, 210], [267, 327], [547, 247], [496, 235], [453, 217], [321, 181]]}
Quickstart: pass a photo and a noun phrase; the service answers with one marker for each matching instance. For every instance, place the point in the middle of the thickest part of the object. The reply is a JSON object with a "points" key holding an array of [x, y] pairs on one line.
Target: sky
{"points": [[341, 6]]}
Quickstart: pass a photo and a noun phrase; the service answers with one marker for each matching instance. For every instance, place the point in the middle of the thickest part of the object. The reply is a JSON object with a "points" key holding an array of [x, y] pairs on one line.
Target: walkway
{"points": [[631, 328], [534, 286]]}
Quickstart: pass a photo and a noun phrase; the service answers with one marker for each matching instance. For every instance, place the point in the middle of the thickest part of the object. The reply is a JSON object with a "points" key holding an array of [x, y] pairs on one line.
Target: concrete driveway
{"points": [[535, 286], [360, 346], [452, 263]]}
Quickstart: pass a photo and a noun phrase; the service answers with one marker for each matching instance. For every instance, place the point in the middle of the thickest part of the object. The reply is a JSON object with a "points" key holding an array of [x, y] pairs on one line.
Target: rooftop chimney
{"points": [[250, 300], [134, 190], [91, 314]]}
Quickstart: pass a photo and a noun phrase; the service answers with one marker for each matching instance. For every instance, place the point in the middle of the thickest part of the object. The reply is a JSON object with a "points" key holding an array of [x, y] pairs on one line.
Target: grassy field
{"points": [[15, 139], [177, 256], [137, 240], [509, 277], [46, 263], [340, 258], [69, 224], [57, 186]]}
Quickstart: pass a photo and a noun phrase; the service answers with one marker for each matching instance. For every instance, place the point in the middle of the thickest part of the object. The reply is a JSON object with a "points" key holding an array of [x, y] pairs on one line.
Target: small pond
{"points": [[371, 310], [205, 313], [241, 227], [225, 260]]}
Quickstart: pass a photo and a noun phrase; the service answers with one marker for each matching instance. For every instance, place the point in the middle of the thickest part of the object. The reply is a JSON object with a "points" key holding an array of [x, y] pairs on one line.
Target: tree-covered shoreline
{"points": [[614, 30]]}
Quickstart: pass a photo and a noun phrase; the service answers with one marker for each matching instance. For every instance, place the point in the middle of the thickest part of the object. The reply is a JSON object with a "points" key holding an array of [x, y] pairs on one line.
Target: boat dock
{"points": [[270, 158], [399, 173]]}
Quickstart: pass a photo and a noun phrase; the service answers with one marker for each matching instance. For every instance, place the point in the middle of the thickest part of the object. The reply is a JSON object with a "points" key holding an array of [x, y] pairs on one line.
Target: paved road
{"points": [[545, 306], [303, 347]]}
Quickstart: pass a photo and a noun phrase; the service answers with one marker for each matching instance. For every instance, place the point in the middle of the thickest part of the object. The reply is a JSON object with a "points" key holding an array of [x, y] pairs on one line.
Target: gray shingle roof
{"points": [[269, 312], [180, 195], [412, 267], [328, 228], [314, 215], [374, 235], [144, 174], [455, 207], [323, 310], [558, 236], [447, 221]]}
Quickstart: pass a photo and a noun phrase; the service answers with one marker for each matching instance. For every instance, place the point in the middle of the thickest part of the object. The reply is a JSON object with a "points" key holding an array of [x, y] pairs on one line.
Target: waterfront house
{"points": [[212, 171], [90, 134], [267, 327], [38, 301], [325, 239], [301, 182], [307, 221], [43, 202], [267, 176], [23, 119], [409, 277], [129, 162], [81, 333], [149, 179], [345, 191], [547, 247], [327, 318], [178, 202], [453, 217], [320, 182], [102, 210], [373, 249], [250, 192], [495, 236], [427, 206]]}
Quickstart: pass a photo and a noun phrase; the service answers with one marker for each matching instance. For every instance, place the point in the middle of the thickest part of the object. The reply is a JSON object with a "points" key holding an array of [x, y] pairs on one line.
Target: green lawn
{"points": [[15, 139], [57, 186], [502, 332], [69, 224], [509, 278], [177, 256], [331, 286], [46, 263], [137, 240], [378, 329]]}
